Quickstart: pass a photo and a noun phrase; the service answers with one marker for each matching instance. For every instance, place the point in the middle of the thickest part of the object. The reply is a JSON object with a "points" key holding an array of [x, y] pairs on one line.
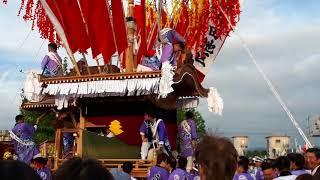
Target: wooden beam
{"points": [[57, 147], [80, 134], [75, 65], [85, 60], [130, 29], [98, 64], [90, 125]]}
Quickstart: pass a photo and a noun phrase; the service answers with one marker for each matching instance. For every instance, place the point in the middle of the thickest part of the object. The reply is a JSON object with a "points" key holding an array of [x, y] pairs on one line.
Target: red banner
{"points": [[73, 25], [119, 26], [99, 26]]}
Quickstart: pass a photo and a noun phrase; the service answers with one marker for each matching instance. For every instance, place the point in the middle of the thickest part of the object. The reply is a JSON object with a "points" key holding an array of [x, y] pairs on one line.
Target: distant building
{"points": [[241, 144], [5, 136], [277, 145], [315, 127]]}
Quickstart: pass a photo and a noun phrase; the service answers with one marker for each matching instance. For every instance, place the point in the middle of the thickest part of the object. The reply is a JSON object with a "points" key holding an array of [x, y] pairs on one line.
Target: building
{"points": [[277, 145], [241, 144], [5, 136]]}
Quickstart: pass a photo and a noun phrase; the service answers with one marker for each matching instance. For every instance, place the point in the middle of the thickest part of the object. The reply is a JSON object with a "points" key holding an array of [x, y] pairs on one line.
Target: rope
{"points": [[25, 39], [271, 87]]}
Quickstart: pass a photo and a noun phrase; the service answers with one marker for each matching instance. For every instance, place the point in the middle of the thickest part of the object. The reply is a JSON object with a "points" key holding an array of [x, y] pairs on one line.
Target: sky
{"points": [[282, 34]]}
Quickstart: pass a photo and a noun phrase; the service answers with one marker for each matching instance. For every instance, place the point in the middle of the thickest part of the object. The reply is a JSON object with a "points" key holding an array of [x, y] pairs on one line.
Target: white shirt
{"points": [[290, 177], [315, 170]]}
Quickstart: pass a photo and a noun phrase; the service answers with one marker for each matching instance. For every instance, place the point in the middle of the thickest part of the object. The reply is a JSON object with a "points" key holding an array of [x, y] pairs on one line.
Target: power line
{"points": [[270, 85]]}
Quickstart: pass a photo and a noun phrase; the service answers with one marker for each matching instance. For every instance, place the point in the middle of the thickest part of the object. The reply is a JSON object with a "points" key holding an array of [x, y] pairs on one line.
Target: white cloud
{"points": [[308, 67], [3, 77]]}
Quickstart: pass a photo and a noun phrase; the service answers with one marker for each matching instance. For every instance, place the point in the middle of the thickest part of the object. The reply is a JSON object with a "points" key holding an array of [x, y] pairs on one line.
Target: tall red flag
{"points": [[73, 24], [119, 26], [99, 26], [58, 15], [140, 16]]}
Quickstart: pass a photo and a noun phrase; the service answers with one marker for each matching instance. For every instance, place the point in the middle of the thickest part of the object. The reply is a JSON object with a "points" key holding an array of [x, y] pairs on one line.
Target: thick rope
{"points": [[271, 87]]}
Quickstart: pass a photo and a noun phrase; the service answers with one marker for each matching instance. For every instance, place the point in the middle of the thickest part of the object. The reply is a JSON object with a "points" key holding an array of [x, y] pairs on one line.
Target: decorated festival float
{"points": [[102, 106]]}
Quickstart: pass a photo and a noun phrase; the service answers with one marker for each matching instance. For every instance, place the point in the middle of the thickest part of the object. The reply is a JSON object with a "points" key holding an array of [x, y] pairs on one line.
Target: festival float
{"points": [[93, 101]]}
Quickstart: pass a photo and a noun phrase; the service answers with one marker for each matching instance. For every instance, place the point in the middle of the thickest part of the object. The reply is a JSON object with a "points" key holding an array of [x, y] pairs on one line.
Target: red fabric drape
{"points": [[99, 26], [131, 125], [73, 25], [140, 16], [119, 25]]}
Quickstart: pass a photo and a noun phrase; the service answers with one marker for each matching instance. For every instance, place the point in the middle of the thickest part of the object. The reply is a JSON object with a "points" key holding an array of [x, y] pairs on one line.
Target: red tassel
{"points": [[29, 7]]}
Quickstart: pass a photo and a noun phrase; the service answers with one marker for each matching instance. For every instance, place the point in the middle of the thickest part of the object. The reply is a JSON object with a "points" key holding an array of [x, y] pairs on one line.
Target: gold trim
{"points": [[97, 77]]}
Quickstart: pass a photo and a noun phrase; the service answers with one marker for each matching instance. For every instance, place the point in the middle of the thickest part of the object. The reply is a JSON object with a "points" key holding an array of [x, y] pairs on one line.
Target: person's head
{"points": [[268, 170], [217, 158], [243, 164], [178, 47], [313, 157], [297, 161], [189, 115], [172, 163], [182, 163], [127, 167], [16, 170], [305, 177], [282, 163], [76, 168], [149, 115], [40, 162], [162, 160], [19, 118], [258, 162], [52, 47]]}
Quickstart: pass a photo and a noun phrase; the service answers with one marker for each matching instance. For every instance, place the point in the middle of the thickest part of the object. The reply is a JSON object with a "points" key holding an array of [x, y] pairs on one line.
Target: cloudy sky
{"points": [[282, 34]]}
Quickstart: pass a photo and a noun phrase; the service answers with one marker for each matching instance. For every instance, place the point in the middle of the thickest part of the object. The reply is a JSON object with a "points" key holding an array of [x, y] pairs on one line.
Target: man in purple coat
{"points": [[160, 139], [170, 43], [159, 171], [242, 170], [187, 132], [180, 173], [52, 62], [43, 171], [146, 137], [22, 138]]}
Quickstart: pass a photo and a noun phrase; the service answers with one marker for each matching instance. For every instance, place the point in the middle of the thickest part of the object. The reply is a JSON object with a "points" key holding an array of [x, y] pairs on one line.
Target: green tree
{"points": [[45, 130], [65, 66], [201, 126], [256, 152]]}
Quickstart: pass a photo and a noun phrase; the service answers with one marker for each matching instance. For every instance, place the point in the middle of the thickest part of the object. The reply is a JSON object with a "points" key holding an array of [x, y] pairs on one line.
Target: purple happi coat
{"points": [[52, 64], [28, 149], [145, 129], [179, 174], [168, 37], [259, 174], [162, 135], [158, 173], [187, 132], [243, 176], [194, 176], [44, 173]]}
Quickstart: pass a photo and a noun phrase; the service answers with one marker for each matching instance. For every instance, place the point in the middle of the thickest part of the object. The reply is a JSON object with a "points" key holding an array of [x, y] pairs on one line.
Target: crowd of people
{"points": [[212, 157]]}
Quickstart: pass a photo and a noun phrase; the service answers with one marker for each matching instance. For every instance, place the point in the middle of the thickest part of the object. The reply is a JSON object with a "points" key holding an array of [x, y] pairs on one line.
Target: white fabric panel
{"points": [[130, 87]]}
